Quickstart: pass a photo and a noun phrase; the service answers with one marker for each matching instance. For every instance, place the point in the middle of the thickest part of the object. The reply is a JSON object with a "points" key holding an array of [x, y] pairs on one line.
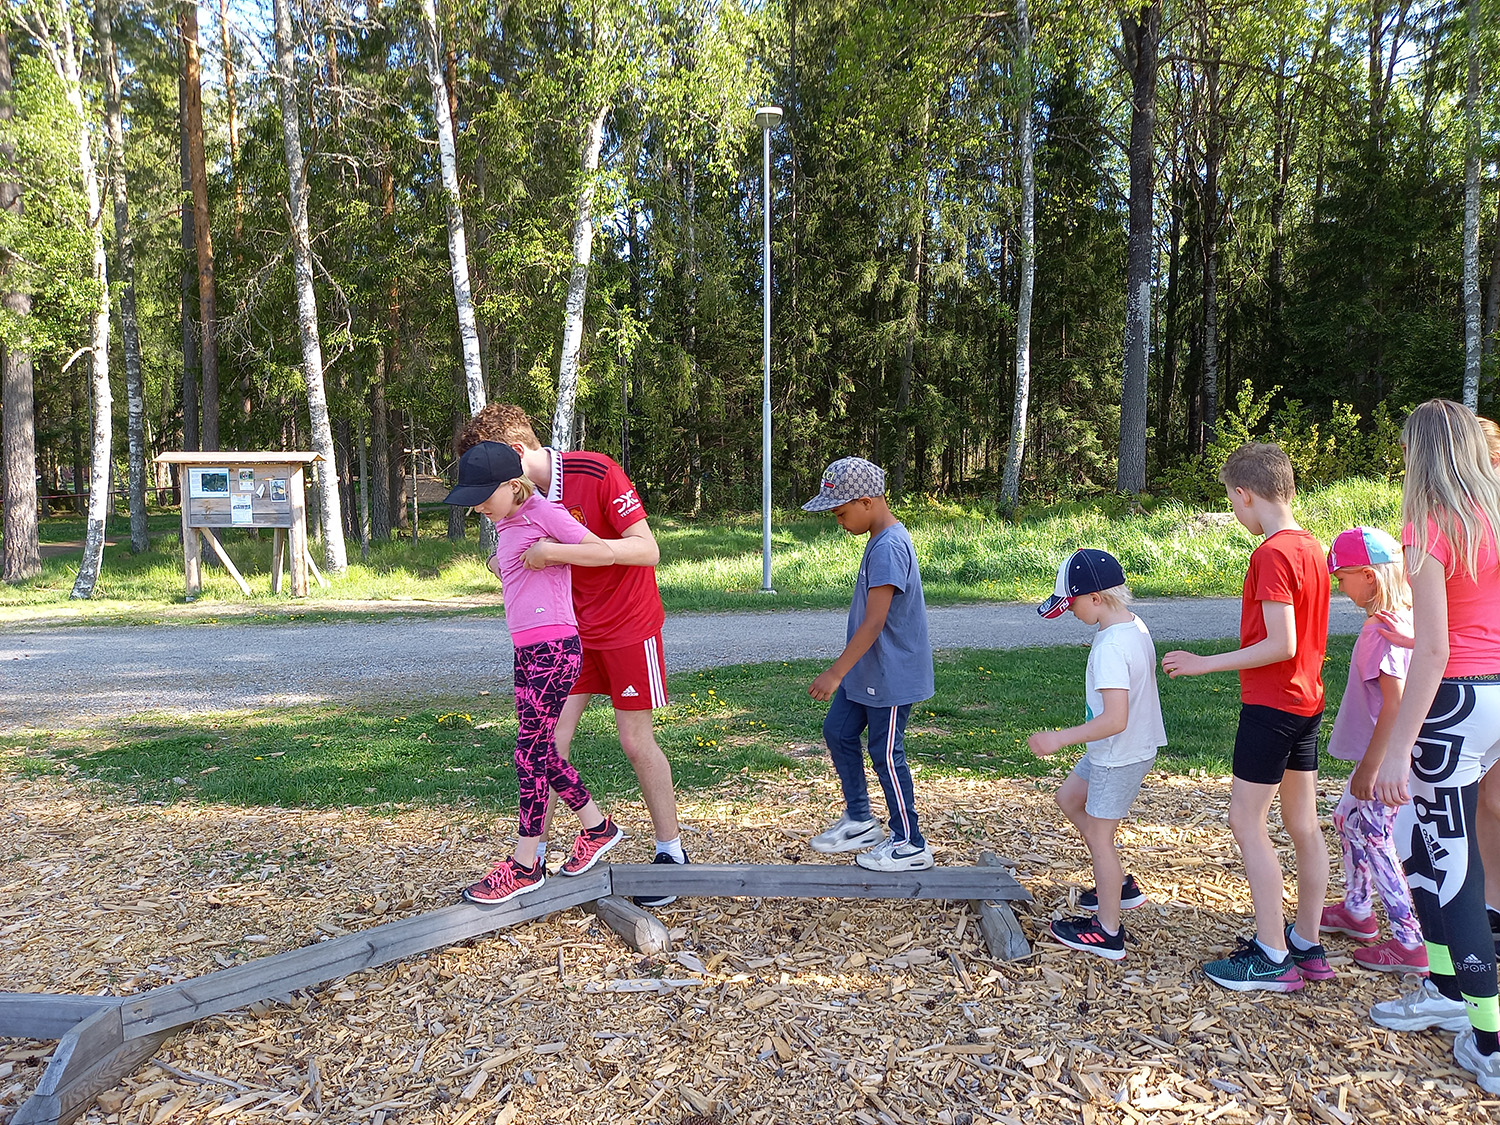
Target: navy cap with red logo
{"points": [[1085, 571]]}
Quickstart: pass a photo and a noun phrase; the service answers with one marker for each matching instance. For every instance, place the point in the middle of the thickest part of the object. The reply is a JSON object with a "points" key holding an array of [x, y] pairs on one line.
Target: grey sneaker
{"points": [[895, 855], [1420, 1009], [847, 836], [1484, 1068]]}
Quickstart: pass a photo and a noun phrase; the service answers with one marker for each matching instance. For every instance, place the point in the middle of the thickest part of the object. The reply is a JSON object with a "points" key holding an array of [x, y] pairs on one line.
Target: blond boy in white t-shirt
{"points": [[1123, 730]]}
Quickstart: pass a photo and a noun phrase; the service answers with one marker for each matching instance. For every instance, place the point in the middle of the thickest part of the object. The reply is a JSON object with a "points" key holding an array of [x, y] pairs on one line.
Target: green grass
{"points": [[967, 554], [751, 719]]}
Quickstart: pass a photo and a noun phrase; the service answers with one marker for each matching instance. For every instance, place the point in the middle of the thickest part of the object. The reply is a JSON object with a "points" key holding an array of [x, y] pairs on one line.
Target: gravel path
{"points": [[56, 678]]}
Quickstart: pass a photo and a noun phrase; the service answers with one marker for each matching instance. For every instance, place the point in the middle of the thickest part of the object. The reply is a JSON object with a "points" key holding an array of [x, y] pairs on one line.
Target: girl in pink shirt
{"points": [[548, 656]]}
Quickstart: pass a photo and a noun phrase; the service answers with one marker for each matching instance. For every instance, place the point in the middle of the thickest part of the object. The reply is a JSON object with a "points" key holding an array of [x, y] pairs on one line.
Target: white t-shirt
{"points": [[1122, 656]]}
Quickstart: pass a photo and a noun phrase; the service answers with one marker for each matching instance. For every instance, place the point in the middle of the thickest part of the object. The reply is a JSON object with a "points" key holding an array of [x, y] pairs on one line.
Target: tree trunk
{"points": [[192, 368], [1140, 35], [1492, 299], [578, 282], [1472, 352], [380, 469], [1210, 212], [208, 317], [226, 47], [135, 390], [915, 261], [397, 481], [1010, 487], [330, 513], [21, 548]]}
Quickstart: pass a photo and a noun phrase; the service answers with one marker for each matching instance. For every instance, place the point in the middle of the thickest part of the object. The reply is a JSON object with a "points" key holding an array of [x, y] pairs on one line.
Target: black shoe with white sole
{"points": [[1131, 896], [653, 901]]}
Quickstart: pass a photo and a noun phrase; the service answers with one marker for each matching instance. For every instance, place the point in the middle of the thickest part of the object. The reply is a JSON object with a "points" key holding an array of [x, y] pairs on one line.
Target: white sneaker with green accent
{"points": [[1422, 1008], [847, 836], [895, 855], [1484, 1068]]}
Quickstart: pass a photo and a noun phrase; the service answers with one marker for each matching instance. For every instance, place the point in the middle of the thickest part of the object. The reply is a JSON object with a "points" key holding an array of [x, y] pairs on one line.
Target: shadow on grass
{"points": [[742, 721]]}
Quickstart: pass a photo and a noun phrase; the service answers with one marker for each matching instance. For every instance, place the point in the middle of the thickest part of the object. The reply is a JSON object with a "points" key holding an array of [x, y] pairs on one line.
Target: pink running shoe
{"points": [[1390, 956], [506, 880], [590, 846], [1338, 920]]}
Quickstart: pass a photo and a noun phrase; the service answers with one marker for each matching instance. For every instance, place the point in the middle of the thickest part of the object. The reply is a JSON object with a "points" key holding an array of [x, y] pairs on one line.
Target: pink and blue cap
{"points": [[1362, 546]]}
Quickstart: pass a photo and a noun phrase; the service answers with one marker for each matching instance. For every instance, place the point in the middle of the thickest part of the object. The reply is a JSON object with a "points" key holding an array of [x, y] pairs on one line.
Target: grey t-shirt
{"points": [[897, 668]]}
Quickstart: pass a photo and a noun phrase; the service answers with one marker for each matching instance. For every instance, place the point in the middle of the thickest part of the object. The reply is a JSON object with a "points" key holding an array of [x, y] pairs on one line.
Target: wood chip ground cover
{"points": [[765, 1010]]}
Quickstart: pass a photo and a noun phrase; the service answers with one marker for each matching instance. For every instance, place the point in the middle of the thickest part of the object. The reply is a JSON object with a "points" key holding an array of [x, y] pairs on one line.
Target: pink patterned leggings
{"points": [[544, 674], [1366, 833]]}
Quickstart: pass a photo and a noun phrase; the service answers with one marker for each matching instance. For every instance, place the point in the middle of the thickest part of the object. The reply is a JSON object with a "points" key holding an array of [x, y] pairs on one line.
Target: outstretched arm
{"points": [[1279, 643]]}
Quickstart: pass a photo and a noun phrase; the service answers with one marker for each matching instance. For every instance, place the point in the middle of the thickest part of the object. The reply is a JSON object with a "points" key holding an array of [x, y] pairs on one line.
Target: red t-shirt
{"points": [[615, 605], [1288, 567], [1473, 624]]}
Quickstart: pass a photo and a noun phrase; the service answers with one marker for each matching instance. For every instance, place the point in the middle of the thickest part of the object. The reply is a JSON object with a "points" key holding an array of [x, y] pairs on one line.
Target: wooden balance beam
{"points": [[105, 1038]]}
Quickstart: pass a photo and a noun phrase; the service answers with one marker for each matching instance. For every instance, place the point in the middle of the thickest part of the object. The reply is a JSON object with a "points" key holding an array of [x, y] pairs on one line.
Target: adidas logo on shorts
{"points": [[629, 692]]}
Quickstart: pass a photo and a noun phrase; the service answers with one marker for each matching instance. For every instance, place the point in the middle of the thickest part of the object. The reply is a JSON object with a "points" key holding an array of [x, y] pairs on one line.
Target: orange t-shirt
{"points": [[1473, 624], [1288, 567]]}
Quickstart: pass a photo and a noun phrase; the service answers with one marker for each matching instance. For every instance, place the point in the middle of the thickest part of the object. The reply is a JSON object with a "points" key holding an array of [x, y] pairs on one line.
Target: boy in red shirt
{"points": [[619, 608], [1283, 635]]}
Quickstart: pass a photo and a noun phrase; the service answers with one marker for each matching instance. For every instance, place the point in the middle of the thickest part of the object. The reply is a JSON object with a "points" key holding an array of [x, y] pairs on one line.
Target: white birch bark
{"points": [[1010, 486], [63, 51], [1472, 354], [578, 282], [330, 512], [135, 392], [458, 251]]}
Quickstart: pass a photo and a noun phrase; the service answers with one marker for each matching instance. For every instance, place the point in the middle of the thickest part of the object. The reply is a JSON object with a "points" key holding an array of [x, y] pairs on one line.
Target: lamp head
{"points": [[767, 116]]}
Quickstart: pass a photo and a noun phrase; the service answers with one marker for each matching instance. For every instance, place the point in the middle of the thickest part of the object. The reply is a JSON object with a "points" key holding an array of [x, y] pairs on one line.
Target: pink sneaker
{"points": [[589, 846], [1338, 920], [1390, 956]]}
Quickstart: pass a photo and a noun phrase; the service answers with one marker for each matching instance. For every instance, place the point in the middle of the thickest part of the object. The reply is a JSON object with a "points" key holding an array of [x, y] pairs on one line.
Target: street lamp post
{"points": [[766, 117]]}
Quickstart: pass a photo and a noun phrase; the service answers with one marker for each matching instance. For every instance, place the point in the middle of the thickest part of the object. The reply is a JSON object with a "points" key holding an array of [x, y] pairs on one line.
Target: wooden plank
{"points": [[84, 1084], [225, 457], [213, 541], [812, 880], [192, 558], [90, 1044], [997, 921], [643, 931], [40, 1015], [278, 558], [175, 1005], [316, 573]]}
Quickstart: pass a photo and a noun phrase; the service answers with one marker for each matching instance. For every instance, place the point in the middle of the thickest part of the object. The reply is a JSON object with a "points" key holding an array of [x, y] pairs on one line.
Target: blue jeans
{"points": [[846, 722]]}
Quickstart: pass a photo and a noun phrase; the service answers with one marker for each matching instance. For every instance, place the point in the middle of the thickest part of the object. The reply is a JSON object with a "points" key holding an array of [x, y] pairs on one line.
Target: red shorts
{"points": [[634, 677]]}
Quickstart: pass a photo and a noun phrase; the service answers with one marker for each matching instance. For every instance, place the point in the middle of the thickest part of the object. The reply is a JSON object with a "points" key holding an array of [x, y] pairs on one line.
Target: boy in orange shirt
{"points": [[1283, 635]]}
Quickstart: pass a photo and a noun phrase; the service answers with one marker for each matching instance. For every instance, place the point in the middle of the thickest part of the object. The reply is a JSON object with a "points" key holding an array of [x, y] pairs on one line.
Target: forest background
{"points": [[1028, 253]]}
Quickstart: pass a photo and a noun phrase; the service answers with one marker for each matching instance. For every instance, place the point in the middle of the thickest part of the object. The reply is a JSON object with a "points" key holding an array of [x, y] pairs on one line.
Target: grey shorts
{"points": [[1112, 789]]}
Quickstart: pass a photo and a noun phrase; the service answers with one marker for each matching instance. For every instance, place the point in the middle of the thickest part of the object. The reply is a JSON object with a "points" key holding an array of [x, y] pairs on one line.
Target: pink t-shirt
{"points": [[1473, 623], [1360, 709], [538, 603]]}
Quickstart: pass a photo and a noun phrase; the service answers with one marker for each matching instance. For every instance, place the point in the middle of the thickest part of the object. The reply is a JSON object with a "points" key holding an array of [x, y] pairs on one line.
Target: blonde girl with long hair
{"points": [[1447, 730]]}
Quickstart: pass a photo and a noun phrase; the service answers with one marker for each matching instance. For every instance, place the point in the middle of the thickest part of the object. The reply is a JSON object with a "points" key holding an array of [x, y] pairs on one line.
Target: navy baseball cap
{"points": [[1083, 572], [482, 469]]}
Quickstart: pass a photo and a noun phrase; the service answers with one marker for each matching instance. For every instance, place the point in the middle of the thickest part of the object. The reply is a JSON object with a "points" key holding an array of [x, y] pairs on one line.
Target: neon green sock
{"points": [[1484, 1012]]}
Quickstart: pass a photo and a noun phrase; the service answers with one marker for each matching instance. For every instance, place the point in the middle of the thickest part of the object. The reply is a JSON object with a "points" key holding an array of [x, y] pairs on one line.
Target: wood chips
{"points": [[764, 1011]]}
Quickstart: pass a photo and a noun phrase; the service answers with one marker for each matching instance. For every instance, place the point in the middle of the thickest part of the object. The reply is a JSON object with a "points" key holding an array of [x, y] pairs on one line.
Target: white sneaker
{"points": [[1420, 1009], [895, 855], [847, 836], [1484, 1068]]}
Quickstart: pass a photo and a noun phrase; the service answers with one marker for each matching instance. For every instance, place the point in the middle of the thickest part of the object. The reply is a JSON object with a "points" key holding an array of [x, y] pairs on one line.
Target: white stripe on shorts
{"points": [[657, 681]]}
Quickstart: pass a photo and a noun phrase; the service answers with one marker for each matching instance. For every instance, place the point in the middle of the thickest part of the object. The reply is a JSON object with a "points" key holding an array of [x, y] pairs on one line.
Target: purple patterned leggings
{"points": [[1366, 833], [544, 674]]}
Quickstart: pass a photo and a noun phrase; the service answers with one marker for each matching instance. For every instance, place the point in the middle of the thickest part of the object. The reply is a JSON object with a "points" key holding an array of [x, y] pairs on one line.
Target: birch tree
{"points": [[578, 277], [22, 550], [330, 513], [1011, 485], [57, 29], [135, 392]]}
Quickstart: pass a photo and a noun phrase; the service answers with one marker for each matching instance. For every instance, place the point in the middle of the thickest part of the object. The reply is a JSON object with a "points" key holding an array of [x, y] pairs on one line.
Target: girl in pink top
{"points": [[1366, 562], [548, 656]]}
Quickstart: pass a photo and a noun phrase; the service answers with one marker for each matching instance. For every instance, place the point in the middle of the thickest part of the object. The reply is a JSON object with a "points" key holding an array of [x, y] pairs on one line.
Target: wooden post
{"points": [[642, 931], [316, 573], [192, 571], [278, 556], [997, 921], [297, 496], [213, 541]]}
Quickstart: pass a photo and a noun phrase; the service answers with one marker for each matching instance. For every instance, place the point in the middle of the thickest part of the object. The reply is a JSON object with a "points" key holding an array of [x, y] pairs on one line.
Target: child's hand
{"points": [[1362, 781], [1177, 664], [1393, 629], [825, 685], [495, 565], [1392, 781], [1045, 743]]}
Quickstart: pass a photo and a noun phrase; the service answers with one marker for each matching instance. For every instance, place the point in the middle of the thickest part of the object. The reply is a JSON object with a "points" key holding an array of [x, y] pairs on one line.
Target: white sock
{"points": [[541, 851], [1278, 956], [1298, 941], [672, 848]]}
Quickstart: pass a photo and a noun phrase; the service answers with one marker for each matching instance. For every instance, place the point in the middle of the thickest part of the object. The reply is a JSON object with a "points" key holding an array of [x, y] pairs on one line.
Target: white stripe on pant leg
{"points": [[890, 767], [654, 675]]}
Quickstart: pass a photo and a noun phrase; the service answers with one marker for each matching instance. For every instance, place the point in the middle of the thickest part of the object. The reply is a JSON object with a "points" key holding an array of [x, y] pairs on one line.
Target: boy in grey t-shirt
{"points": [[1122, 729], [885, 667]]}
